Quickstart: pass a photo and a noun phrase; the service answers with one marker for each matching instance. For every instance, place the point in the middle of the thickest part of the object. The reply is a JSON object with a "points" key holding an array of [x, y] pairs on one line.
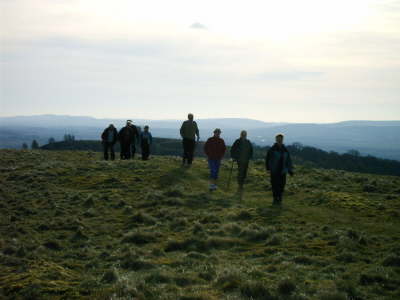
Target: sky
{"points": [[275, 61]]}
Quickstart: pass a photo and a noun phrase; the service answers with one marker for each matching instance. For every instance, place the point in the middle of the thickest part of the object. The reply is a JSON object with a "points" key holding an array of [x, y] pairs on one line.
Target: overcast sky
{"points": [[292, 61]]}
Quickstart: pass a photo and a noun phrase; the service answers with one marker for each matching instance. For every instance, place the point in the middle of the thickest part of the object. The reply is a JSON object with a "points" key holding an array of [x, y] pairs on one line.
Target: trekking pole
{"points": [[230, 174]]}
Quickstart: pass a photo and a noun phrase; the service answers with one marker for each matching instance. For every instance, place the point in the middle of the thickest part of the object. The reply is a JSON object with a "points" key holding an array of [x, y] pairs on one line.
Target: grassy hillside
{"points": [[76, 227]]}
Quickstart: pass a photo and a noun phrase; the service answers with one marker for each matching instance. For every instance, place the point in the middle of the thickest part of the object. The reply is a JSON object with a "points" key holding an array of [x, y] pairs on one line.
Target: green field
{"points": [[75, 227]]}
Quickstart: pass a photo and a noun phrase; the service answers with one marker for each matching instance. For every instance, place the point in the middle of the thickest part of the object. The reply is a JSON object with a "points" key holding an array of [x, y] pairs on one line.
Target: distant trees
{"points": [[353, 152], [298, 146], [301, 154], [35, 145], [51, 140], [24, 146], [69, 138]]}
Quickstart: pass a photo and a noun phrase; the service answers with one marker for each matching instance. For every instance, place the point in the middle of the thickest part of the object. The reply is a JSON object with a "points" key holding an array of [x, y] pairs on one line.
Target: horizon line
{"points": [[215, 118]]}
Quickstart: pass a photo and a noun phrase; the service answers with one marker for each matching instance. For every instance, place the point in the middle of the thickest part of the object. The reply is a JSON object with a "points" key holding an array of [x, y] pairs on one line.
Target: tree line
{"points": [[351, 161]]}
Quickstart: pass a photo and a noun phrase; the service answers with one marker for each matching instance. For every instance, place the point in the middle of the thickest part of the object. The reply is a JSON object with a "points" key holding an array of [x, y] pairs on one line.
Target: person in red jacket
{"points": [[215, 149]]}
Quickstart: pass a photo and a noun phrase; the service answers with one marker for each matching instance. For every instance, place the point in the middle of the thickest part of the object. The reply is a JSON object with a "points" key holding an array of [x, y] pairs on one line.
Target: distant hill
{"points": [[301, 154], [377, 138], [85, 121]]}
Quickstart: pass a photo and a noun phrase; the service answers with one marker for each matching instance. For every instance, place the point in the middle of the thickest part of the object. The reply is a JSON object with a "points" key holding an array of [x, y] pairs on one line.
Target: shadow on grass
{"points": [[271, 212], [208, 199], [173, 176]]}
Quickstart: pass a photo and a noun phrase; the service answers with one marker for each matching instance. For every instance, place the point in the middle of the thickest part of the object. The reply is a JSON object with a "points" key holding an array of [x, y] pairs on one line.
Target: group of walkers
{"points": [[277, 161], [128, 137]]}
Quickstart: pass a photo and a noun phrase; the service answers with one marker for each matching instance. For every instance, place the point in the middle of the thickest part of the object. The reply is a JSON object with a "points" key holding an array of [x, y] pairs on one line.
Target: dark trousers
{"points": [[108, 146], [278, 182], [145, 150], [188, 150], [242, 171], [125, 150]]}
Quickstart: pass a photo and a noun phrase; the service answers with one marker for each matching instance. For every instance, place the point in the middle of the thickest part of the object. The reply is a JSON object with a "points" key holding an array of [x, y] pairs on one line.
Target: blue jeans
{"points": [[214, 165]]}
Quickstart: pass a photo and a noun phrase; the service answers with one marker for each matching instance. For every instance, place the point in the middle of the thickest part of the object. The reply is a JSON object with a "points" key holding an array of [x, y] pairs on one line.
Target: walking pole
{"points": [[230, 174]]}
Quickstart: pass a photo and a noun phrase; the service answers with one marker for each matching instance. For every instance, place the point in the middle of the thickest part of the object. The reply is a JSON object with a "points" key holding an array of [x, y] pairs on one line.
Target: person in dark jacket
{"points": [[215, 149], [126, 136], [242, 152], [189, 131], [279, 163], [108, 139], [146, 140], [136, 137]]}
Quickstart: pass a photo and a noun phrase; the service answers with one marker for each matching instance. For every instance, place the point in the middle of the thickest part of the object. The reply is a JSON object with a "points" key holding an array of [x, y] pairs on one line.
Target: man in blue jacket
{"points": [[146, 139], [278, 163]]}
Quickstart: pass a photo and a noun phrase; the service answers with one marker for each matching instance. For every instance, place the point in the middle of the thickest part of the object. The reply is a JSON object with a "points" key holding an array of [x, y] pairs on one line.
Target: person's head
{"points": [[243, 134], [279, 138], [217, 132], [146, 128], [128, 122], [190, 117], [111, 126]]}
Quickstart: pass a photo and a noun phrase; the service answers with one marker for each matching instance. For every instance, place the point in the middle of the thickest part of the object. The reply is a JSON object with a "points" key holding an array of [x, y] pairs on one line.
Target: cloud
{"points": [[198, 25], [289, 75]]}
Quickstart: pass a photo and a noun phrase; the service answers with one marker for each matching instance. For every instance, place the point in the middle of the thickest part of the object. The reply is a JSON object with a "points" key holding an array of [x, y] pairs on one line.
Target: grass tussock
{"points": [[139, 237], [256, 290]]}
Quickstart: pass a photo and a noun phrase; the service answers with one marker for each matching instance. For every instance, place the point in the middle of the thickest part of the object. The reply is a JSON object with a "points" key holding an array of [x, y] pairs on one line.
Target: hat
{"points": [[217, 130]]}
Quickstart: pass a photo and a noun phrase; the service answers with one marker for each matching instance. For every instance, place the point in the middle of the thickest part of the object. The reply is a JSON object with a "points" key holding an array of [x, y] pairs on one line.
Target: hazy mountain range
{"points": [[378, 138]]}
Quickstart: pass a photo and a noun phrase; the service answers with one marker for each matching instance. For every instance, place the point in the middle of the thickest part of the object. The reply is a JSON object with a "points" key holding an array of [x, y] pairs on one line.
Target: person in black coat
{"points": [[108, 139], [242, 152], [135, 139], [279, 163], [126, 136]]}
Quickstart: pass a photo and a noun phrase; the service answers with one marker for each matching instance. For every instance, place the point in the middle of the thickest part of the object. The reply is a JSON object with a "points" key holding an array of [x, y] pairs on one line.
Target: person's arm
{"points": [[206, 147], [197, 132], [150, 139], [103, 136], [251, 150], [234, 150], [223, 148]]}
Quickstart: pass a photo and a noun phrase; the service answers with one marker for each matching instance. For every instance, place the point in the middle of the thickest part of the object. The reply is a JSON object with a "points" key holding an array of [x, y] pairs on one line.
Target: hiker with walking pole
{"points": [[189, 131], [215, 149], [278, 163], [242, 152]]}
